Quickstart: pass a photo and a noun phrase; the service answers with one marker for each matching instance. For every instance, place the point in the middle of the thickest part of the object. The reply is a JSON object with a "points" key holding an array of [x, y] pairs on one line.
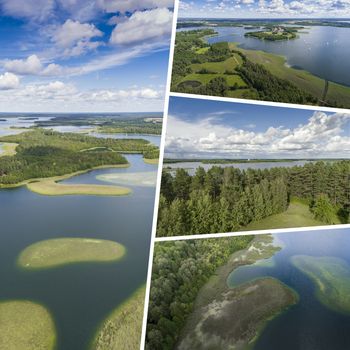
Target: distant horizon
{"points": [[267, 18]]}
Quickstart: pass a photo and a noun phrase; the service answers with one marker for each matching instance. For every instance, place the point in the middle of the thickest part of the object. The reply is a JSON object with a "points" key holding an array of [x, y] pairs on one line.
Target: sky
{"points": [[199, 128], [84, 55], [265, 8]]}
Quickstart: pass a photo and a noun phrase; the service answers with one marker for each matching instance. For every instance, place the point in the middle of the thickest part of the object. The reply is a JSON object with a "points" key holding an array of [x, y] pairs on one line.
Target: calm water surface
{"points": [[308, 325], [78, 296]]}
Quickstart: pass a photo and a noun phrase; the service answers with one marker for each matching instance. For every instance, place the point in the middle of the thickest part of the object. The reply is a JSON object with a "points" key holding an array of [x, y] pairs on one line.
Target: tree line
{"points": [[227, 199], [180, 269]]}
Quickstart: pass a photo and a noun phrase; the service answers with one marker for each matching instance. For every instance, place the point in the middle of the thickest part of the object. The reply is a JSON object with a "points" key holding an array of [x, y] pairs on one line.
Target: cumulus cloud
{"points": [[322, 135], [8, 81], [142, 26], [32, 65], [75, 37], [112, 6]]}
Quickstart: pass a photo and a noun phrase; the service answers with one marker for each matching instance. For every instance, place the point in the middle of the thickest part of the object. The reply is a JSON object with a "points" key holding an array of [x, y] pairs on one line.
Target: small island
{"points": [[277, 33], [26, 325], [122, 329], [331, 277], [63, 251]]}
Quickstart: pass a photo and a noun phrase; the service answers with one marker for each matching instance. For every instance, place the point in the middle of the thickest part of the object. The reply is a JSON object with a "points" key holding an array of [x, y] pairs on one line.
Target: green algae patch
{"points": [[146, 179], [331, 277], [62, 251], [51, 188], [122, 329], [25, 325]]}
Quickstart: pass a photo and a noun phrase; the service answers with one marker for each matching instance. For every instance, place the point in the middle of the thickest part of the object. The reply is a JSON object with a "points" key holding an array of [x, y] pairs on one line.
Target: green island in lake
{"points": [[25, 325], [63, 251], [331, 277], [122, 328]]}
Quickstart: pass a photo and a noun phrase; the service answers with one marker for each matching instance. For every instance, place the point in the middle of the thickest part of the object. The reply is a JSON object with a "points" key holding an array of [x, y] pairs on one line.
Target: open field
{"points": [[331, 277], [52, 188], [219, 67], [122, 328], [297, 215], [8, 149], [304, 80], [62, 251], [25, 325]]}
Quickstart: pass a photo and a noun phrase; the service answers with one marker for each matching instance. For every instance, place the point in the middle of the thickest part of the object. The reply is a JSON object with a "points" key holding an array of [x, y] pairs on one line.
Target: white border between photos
{"points": [[168, 95], [159, 174]]}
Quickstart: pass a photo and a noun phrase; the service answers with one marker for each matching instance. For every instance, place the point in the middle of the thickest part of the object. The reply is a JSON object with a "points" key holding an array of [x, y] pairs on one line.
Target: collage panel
{"points": [[286, 290], [232, 167], [282, 51]]}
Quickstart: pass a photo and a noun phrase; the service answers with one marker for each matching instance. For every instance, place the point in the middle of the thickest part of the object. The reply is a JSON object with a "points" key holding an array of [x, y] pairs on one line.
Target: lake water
{"points": [[7, 123], [81, 296], [191, 167], [307, 325], [321, 50]]}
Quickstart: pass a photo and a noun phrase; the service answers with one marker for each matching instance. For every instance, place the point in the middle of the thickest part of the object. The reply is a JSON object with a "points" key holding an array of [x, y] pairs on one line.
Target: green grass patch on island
{"points": [[25, 325], [52, 188], [62, 251], [331, 277], [122, 328]]}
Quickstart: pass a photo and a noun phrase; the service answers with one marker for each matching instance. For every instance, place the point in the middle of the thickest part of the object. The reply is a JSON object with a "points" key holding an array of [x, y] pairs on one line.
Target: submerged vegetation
{"points": [[147, 179], [26, 325], [228, 199], [45, 153], [122, 329], [62, 251], [224, 69]]}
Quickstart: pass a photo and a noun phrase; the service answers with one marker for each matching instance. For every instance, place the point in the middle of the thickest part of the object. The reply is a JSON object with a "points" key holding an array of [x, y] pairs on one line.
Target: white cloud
{"points": [[142, 26], [75, 37], [132, 5], [321, 136], [8, 81], [32, 65]]}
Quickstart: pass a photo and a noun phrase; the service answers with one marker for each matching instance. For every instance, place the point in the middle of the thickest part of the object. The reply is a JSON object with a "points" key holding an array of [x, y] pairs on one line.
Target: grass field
{"points": [[8, 149], [205, 78], [219, 67], [122, 329], [62, 251], [202, 50], [297, 215], [303, 79], [51, 188], [25, 325]]}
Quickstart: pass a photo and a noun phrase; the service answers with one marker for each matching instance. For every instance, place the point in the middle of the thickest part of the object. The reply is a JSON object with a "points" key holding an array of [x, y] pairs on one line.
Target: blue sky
{"points": [[265, 8], [84, 55], [214, 129]]}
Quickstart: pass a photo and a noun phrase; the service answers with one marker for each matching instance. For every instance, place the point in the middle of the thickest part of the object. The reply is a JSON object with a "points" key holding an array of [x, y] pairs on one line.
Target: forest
{"points": [[180, 269], [228, 199], [147, 124], [44, 153]]}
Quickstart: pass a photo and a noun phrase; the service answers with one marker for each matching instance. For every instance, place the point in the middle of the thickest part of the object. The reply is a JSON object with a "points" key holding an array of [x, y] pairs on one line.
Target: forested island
{"points": [[229, 199], [225, 69], [44, 153]]}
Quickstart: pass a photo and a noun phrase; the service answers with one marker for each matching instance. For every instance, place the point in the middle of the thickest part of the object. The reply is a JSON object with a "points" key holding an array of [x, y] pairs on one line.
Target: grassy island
{"points": [[331, 277], [45, 153], [277, 33], [62, 251], [25, 325], [122, 329], [51, 188]]}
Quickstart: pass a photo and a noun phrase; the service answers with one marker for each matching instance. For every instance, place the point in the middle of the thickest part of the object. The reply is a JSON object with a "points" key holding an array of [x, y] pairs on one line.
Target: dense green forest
{"points": [[148, 124], [222, 69], [180, 269], [227, 199], [45, 153]]}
